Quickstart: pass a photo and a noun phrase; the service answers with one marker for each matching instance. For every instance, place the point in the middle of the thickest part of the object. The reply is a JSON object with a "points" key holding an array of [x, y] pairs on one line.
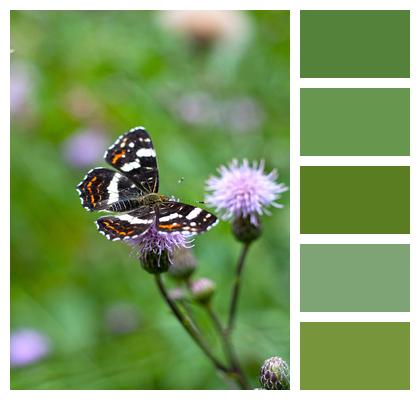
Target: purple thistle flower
{"points": [[243, 190], [155, 248], [156, 243], [27, 346]]}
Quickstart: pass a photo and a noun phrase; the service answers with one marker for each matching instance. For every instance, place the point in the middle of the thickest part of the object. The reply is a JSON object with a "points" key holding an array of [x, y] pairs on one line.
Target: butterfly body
{"points": [[152, 198], [133, 190]]}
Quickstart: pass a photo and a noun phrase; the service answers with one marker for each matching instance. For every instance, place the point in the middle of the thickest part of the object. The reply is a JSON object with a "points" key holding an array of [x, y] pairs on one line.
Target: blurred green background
{"points": [[209, 88]]}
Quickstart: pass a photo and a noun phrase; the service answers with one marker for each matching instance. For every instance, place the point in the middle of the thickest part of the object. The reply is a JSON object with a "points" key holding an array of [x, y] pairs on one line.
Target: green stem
{"points": [[186, 323], [236, 287], [227, 347], [190, 314]]}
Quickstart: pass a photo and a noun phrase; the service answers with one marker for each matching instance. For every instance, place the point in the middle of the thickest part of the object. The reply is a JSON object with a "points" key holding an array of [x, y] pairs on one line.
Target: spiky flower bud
{"points": [[183, 263], [274, 374], [155, 263], [202, 290], [244, 230]]}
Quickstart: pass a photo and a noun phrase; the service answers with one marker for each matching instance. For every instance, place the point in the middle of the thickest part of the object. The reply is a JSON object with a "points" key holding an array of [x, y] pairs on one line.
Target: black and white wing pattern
{"points": [[133, 191], [103, 189], [134, 156], [126, 226], [179, 217]]}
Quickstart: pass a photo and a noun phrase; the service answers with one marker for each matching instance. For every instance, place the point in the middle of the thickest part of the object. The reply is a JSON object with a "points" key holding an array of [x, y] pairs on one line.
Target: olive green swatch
{"points": [[355, 277], [355, 122], [355, 355], [355, 44], [360, 200]]}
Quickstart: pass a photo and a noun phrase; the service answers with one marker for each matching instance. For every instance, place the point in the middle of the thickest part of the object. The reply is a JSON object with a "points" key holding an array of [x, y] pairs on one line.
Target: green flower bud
{"points": [[202, 290], [177, 294], [155, 263], [183, 263], [274, 374], [245, 231]]}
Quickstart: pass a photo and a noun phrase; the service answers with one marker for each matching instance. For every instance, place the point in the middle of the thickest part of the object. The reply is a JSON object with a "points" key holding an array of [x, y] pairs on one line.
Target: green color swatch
{"points": [[355, 44], [355, 122], [355, 277], [355, 200], [355, 355]]}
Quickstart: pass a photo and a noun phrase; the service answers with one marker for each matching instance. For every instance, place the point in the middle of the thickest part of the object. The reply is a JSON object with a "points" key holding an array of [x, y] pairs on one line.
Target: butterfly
{"points": [[131, 192]]}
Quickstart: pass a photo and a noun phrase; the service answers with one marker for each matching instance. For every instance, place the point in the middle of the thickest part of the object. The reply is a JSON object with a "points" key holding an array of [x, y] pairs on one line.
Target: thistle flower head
{"points": [[244, 190], [274, 374], [154, 241], [155, 248]]}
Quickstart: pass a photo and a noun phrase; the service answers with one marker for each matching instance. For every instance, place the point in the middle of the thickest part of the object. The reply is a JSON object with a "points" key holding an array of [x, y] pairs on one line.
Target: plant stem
{"points": [[190, 314], [225, 340], [186, 323], [227, 347], [236, 287]]}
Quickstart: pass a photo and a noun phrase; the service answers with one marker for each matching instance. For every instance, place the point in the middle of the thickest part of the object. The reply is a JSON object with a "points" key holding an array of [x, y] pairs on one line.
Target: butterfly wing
{"points": [[126, 226], [103, 189], [179, 217], [133, 155]]}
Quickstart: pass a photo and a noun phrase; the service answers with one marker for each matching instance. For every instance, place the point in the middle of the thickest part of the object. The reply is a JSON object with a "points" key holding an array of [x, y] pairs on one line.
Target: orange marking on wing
{"points": [[170, 226], [91, 181], [92, 197], [117, 156], [113, 228]]}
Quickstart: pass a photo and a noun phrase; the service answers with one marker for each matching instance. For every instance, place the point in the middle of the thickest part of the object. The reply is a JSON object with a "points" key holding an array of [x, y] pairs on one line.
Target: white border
{"points": [[326, 83], [355, 160], [354, 316], [293, 5], [354, 239], [296, 83]]}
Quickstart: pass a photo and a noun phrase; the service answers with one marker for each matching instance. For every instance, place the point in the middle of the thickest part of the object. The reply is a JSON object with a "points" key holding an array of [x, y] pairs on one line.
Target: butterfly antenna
{"points": [[180, 180], [173, 198]]}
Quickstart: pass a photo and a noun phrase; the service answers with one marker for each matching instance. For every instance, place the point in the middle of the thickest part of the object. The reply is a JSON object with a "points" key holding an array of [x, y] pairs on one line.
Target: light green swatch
{"points": [[355, 355], [355, 122], [355, 44], [355, 277]]}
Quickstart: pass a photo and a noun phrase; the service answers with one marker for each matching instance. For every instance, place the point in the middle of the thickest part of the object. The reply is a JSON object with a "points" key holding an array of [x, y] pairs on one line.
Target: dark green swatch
{"points": [[355, 355], [355, 44], [355, 200], [355, 122], [355, 277]]}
